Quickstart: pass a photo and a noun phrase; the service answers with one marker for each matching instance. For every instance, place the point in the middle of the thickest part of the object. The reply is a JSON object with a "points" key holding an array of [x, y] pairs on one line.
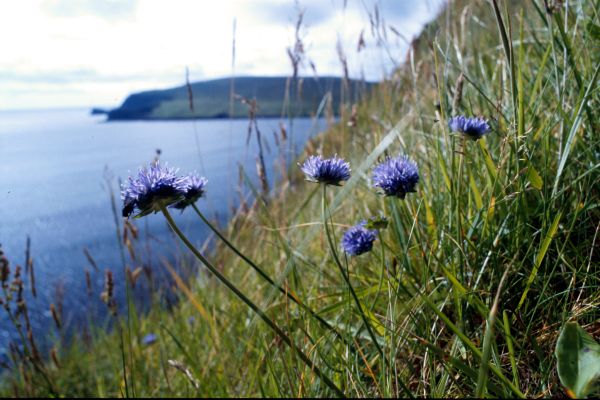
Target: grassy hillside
{"points": [[464, 294], [276, 96]]}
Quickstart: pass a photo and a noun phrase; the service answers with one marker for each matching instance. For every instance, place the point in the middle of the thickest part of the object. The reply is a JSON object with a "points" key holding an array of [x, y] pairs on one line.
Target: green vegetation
{"points": [[276, 96], [464, 294], [578, 360]]}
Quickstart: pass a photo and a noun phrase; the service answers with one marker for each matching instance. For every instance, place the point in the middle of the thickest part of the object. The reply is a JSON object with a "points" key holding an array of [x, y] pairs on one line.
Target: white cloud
{"points": [[95, 52]]}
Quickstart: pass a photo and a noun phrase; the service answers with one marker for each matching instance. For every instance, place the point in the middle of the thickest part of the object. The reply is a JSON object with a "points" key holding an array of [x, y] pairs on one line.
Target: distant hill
{"points": [[211, 99]]}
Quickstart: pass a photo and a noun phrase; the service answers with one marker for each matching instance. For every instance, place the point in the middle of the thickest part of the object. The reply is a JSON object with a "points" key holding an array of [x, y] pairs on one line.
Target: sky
{"points": [[87, 53]]}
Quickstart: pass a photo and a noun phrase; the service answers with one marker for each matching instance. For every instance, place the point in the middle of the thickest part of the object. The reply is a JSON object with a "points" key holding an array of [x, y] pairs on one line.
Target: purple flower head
{"points": [[396, 176], [149, 339], [358, 239], [195, 190], [330, 171], [474, 127], [153, 187]]}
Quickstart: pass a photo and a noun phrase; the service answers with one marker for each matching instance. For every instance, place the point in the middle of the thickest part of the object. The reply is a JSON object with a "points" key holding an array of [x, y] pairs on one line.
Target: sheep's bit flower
{"points": [[396, 176], [474, 128], [358, 239], [156, 187], [330, 171], [195, 190]]}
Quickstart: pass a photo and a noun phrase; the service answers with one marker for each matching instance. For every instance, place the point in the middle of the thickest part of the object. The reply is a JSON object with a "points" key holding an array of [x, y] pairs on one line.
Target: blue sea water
{"points": [[53, 188]]}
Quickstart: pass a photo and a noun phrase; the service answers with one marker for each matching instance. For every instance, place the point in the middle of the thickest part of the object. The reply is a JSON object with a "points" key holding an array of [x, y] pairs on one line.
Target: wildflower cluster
{"points": [[159, 186], [395, 176], [156, 186]]}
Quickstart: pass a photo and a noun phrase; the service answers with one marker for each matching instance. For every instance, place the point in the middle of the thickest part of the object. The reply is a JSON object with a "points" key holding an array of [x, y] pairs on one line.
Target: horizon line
{"points": [[91, 106]]}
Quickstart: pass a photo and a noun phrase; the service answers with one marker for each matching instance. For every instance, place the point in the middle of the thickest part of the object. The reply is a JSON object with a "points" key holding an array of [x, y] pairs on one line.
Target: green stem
{"points": [[332, 247], [402, 240], [129, 340], [461, 160], [268, 279], [487, 341], [124, 363], [457, 202], [250, 304], [381, 273]]}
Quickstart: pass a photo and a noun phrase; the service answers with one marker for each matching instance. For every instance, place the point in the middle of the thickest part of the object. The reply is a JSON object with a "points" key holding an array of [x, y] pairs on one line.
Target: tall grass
{"points": [[469, 285]]}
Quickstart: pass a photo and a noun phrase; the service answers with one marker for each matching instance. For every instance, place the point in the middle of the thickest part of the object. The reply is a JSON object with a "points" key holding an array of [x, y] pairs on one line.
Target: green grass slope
{"points": [[463, 294]]}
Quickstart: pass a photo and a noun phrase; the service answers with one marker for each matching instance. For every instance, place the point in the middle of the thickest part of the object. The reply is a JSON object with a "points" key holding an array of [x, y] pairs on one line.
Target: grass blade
{"points": [[574, 128], [540, 256]]}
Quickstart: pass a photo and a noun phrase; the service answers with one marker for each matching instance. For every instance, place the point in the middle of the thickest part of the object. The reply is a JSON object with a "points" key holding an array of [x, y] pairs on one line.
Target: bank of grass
{"points": [[475, 274]]}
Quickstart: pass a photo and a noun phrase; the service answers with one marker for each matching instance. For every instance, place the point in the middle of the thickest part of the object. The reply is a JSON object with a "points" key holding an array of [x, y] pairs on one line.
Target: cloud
{"points": [[286, 13], [107, 9], [88, 75], [394, 10], [101, 50]]}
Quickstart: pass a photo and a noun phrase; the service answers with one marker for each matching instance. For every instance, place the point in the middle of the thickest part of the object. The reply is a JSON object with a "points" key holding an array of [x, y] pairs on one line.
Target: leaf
{"points": [[491, 209], [476, 192], [578, 360], [534, 178], [489, 163], [593, 30], [374, 321]]}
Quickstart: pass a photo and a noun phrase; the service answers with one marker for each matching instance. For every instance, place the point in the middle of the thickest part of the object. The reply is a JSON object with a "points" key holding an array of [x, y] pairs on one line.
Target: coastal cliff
{"points": [[212, 99]]}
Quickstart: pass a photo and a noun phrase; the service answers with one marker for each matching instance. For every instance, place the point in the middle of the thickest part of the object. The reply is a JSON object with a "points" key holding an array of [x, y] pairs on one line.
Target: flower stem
{"points": [[264, 275], [332, 247], [382, 271], [250, 304], [459, 235]]}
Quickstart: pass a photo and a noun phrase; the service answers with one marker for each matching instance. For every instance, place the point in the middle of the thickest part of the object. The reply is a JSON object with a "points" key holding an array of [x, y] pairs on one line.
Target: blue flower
{"points": [[153, 188], [396, 176], [330, 171], [149, 339], [358, 239], [474, 127], [195, 190]]}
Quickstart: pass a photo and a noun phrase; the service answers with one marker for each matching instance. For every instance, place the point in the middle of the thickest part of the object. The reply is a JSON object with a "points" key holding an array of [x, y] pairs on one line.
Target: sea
{"points": [[60, 175]]}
